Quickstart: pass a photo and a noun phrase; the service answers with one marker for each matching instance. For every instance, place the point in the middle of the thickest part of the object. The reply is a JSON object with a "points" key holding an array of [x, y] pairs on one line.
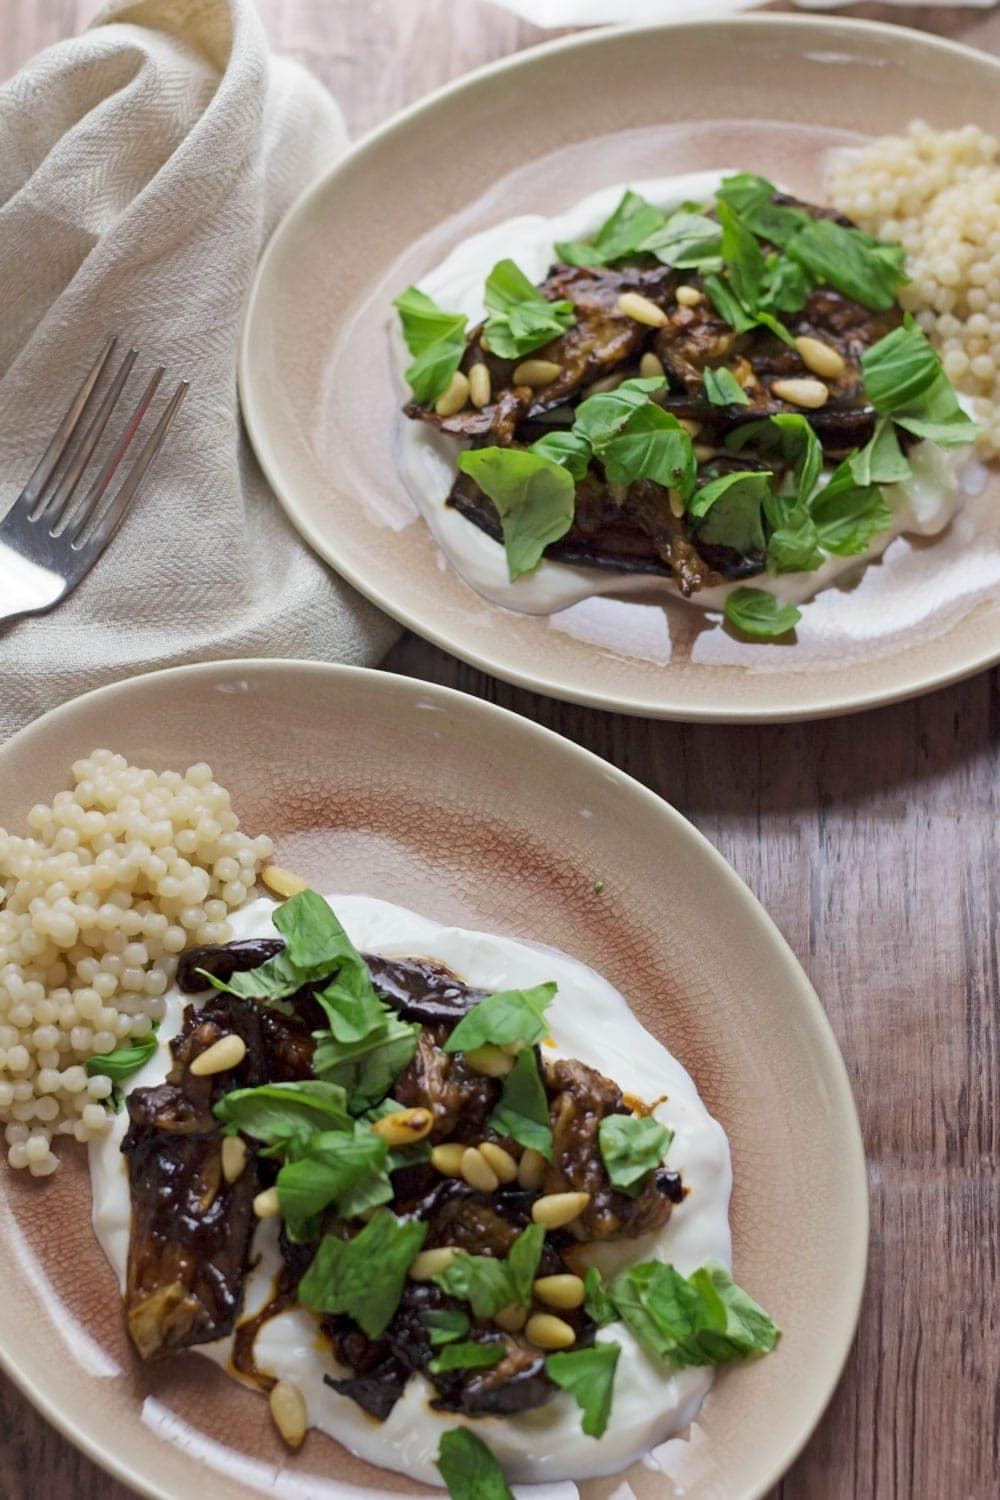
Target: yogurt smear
{"points": [[589, 1020], [923, 504]]}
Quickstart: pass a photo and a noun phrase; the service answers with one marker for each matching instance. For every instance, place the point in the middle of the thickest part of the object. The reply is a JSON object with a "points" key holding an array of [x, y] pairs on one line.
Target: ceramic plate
{"points": [[388, 787], [536, 133]]}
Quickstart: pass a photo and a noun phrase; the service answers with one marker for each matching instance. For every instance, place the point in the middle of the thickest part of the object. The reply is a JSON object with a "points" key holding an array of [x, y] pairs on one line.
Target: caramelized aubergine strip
{"points": [[443, 1082], [579, 1099], [222, 961]]}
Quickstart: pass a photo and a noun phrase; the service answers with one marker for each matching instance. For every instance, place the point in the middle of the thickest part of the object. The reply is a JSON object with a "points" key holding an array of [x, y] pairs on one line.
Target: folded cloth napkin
{"points": [[603, 12], [142, 167]]}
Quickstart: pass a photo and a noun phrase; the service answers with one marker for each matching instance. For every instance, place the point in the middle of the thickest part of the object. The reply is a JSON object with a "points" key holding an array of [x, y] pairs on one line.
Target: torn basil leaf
{"points": [[444, 1324], [729, 510], [568, 448], [866, 269], [793, 546], [622, 233], [723, 389], [704, 1319], [520, 318], [848, 515], [278, 1113], [339, 1169], [760, 614], [435, 338], [468, 1468], [596, 1302], [534, 497], [366, 1069], [588, 1375], [502, 1018], [523, 1111], [364, 1276], [123, 1061], [468, 1356], [687, 241], [631, 1146], [489, 1284]]}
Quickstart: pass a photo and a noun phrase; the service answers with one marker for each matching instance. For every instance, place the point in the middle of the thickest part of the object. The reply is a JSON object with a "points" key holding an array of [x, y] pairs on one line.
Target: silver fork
{"points": [[48, 538]]}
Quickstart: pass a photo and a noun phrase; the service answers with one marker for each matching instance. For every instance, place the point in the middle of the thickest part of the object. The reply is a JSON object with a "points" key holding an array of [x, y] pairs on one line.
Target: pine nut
{"points": [[513, 1049], [431, 1263], [548, 1332], [511, 1319], [676, 500], [531, 1170], [283, 882], [691, 427], [603, 386], [234, 1157], [651, 365], [639, 308], [492, 1061], [404, 1126], [703, 452], [500, 1160], [480, 385], [560, 1291], [535, 372], [448, 1159], [478, 1173], [290, 1413], [557, 1209], [811, 394], [821, 358], [267, 1204], [689, 296], [454, 397], [228, 1052]]}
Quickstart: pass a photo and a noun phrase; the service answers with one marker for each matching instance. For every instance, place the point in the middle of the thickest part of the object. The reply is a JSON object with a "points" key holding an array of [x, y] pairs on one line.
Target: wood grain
{"points": [[872, 842]]}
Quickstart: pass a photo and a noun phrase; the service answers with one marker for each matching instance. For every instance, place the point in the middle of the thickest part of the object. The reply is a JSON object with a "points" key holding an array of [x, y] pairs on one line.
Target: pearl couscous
{"points": [[937, 193], [113, 880]]}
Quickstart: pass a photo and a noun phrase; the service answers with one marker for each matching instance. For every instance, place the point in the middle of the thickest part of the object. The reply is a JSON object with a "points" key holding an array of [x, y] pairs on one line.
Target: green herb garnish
{"points": [[588, 1375], [704, 1319], [489, 1284], [723, 389], [596, 1302], [123, 1061], [444, 1324], [364, 1276], [760, 614], [435, 338], [503, 1018], [343, 1169], [520, 318], [622, 233], [280, 1114], [729, 510], [631, 1146], [468, 1468], [469, 1356], [534, 496], [523, 1111], [367, 1068]]}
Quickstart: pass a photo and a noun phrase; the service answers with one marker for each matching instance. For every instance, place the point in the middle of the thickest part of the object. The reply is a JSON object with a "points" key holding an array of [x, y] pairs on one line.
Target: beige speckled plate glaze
{"points": [[536, 133], [389, 787]]}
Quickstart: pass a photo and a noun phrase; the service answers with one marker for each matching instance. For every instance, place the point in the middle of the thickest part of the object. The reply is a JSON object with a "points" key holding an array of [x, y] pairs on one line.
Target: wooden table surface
{"points": [[872, 842]]}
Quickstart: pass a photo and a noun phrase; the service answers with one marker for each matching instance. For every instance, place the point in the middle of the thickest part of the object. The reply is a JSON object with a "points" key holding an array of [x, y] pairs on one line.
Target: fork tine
{"points": [[58, 503], [114, 515], [88, 506], [42, 472]]}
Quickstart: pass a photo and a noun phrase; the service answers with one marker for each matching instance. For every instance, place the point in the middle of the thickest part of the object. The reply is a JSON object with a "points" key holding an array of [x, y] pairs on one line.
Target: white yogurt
{"points": [[923, 504], [591, 1021]]}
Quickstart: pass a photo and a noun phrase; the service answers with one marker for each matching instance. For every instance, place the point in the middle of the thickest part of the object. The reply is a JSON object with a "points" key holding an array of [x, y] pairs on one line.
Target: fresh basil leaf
{"points": [[502, 1018], [588, 1375], [123, 1061], [651, 445], [596, 1302], [489, 1284], [521, 319], [794, 546], [274, 979], [687, 241], [752, 198], [339, 1169], [444, 1324], [364, 1276], [366, 1069], [468, 1468], [786, 286], [848, 515], [729, 510], [568, 448], [481, 1280], [523, 1111], [758, 613], [601, 418], [899, 369], [938, 418], [881, 461], [727, 304], [790, 438], [723, 389], [522, 1263], [703, 1320], [351, 1005], [280, 1112], [435, 338], [470, 1356], [853, 263], [631, 1146], [534, 497], [621, 234], [313, 936], [743, 257]]}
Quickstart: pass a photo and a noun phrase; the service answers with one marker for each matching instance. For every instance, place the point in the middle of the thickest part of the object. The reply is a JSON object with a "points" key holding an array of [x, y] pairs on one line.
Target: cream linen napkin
{"points": [[142, 167]]}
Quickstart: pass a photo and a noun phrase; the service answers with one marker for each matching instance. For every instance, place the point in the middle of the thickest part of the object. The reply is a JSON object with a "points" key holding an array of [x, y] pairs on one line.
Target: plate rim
{"points": [[658, 809], [267, 453]]}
